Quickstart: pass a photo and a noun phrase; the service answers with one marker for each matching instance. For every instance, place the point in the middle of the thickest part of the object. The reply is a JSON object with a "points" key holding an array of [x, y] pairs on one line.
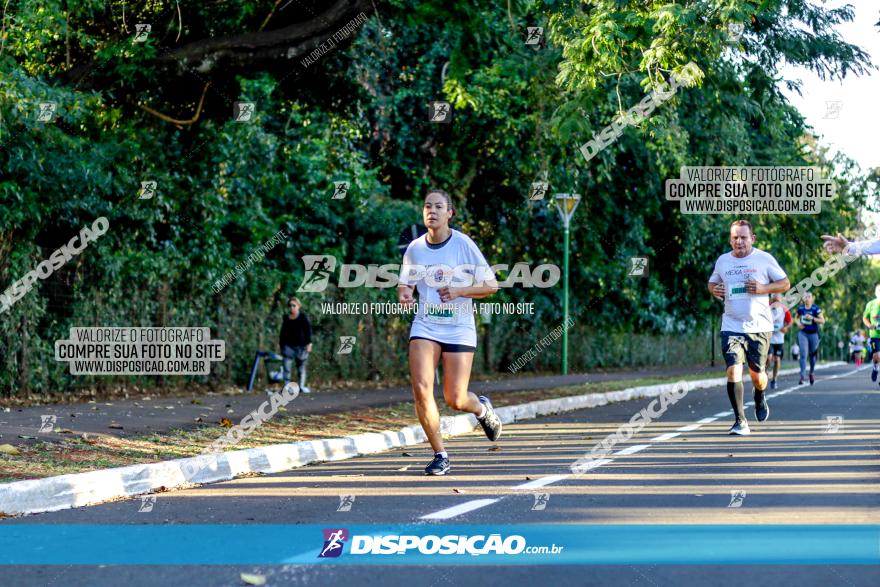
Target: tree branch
{"points": [[167, 118]]}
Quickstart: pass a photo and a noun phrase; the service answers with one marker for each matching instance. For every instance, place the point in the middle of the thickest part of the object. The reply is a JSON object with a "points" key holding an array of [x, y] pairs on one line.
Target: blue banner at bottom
{"points": [[525, 544]]}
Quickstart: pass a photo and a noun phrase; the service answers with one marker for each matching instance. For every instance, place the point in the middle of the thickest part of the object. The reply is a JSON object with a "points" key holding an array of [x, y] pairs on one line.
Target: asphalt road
{"points": [[797, 468]]}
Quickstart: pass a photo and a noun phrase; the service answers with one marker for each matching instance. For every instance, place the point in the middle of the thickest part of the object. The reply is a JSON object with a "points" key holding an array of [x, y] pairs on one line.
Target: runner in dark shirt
{"points": [[295, 341]]}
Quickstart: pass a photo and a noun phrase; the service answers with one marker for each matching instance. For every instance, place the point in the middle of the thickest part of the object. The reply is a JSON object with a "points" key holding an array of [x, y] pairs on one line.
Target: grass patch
{"points": [[90, 452]]}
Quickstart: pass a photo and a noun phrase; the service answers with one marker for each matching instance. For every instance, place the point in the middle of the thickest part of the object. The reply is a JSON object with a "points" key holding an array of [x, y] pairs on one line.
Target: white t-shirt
{"points": [[457, 263], [857, 342], [745, 312]]}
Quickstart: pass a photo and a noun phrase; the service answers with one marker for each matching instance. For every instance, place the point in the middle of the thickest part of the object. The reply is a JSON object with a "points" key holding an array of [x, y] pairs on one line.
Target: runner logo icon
{"points": [[318, 271], [334, 540]]}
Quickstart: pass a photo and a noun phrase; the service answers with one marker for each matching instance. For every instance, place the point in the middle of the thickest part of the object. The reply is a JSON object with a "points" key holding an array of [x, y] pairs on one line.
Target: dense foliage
{"points": [[162, 110]]}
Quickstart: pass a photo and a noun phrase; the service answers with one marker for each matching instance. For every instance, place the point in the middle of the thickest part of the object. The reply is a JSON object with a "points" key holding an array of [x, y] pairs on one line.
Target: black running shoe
{"points": [[812, 379], [491, 423], [762, 408], [772, 384], [439, 466], [741, 428], [874, 375], [801, 382]]}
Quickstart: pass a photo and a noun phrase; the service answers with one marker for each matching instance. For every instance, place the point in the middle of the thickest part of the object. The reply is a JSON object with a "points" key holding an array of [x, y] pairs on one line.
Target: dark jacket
{"points": [[296, 332]]}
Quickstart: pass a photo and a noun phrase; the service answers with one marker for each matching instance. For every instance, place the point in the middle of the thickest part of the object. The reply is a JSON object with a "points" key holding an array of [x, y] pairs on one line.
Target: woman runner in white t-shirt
{"points": [[448, 271]]}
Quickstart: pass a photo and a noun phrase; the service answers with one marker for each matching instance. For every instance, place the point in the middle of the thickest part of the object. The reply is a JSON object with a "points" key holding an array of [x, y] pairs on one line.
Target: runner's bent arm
{"points": [[474, 291], [778, 286], [405, 294]]}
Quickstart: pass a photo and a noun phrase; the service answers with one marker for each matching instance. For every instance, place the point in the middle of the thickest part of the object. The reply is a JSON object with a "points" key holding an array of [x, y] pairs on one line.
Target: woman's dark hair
{"points": [[446, 197]]}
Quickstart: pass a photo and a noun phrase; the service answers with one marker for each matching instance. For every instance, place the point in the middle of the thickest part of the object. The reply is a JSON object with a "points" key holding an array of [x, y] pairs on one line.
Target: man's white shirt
{"points": [[745, 312]]}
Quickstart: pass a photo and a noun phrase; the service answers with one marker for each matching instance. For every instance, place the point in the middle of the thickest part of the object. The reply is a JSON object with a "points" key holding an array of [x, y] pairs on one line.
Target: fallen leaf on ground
{"points": [[252, 579], [403, 468], [494, 448], [8, 449], [406, 454], [195, 402], [226, 423], [528, 478], [457, 490]]}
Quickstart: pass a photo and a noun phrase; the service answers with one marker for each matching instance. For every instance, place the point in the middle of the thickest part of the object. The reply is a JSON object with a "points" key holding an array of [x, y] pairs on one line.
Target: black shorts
{"points": [[776, 349], [739, 348], [875, 345], [446, 347]]}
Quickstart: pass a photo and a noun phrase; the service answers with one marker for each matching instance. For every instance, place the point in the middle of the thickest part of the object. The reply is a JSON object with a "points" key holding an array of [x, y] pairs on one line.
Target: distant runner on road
{"points": [[781, 325], [742, 279], [857, 347], [871, 319], [809, 317]]}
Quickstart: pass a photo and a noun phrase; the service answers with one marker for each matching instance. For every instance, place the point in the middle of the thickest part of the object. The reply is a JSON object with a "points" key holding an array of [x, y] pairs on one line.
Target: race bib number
{"points": [[807, 319], [439, 314], [738, 290]]}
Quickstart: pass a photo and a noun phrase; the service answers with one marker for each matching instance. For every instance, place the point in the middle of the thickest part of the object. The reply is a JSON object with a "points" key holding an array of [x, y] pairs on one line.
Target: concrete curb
{"points": [[81, 489]]}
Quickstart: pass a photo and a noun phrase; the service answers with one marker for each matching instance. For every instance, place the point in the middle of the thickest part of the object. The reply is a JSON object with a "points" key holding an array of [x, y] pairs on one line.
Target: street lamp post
{"points": [[566, 204]]}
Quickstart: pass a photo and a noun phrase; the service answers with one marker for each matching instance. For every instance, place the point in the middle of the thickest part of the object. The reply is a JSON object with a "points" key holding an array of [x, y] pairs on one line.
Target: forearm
{"points": [[478, 291], [780, 286], [863, 248]]}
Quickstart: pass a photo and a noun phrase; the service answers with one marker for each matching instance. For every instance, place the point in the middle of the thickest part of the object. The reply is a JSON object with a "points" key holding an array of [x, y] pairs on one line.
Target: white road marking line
{"points": [[459, 509], [666, 436], [534, 483], [689, 427], [475, 504], [631, 450]]}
